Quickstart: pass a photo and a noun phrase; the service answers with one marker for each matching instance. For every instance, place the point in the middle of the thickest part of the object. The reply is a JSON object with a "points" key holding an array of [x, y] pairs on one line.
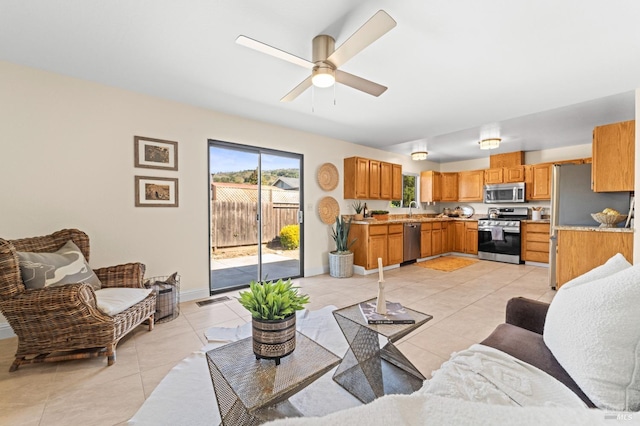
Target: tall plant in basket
{"points": [[273, 307], [341, 259]]}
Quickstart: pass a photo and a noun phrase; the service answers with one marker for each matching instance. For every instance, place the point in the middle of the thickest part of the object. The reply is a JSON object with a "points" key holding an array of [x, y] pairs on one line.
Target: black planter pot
{"points": [[274, 339]]}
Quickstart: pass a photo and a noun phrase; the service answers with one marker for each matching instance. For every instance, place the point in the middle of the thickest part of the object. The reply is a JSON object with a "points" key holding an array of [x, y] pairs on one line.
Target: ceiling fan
{"points": [[326, 60]]}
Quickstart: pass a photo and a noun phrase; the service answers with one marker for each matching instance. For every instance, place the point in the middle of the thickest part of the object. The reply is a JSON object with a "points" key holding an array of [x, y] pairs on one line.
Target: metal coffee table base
{"points": [[368, 371]]}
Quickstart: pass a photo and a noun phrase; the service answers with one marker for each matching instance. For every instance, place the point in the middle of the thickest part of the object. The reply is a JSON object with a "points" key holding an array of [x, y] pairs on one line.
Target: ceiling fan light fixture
{"points": [[491, 143], [419, 155], [323, 76]]}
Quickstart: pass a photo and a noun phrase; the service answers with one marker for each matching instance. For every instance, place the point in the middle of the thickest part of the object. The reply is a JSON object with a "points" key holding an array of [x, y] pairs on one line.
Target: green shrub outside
{"points": [[290, 237]]}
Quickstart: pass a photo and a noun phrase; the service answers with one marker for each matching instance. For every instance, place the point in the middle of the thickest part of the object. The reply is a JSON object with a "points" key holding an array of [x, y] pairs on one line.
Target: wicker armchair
{"points": [[58, 323]]}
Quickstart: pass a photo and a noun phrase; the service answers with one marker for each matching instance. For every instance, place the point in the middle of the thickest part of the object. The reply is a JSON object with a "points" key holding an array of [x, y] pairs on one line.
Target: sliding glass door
{"points": [[256, 216]]}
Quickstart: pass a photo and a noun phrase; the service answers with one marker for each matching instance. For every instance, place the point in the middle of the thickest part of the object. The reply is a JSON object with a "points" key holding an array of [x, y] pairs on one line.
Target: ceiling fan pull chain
{"points": [[334, 95], [313, 98]]}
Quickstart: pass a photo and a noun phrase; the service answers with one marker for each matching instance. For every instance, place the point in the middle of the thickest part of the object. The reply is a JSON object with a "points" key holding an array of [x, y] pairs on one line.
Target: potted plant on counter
{"points": [[341, 259], [358, 206], [273, 307]]}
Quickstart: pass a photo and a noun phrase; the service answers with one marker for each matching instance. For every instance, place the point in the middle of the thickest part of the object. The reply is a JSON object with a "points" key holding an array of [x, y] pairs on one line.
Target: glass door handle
{"points": [[300, 216]]}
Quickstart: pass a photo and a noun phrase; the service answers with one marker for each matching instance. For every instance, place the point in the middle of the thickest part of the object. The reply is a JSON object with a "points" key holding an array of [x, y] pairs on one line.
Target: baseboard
{"points": [[6, 331], [186, 296], [359, 270], [542, 265]]}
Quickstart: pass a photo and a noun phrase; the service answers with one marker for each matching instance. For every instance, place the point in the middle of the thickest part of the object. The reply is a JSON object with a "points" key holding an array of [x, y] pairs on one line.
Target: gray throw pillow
{"points": [[66, 266]]}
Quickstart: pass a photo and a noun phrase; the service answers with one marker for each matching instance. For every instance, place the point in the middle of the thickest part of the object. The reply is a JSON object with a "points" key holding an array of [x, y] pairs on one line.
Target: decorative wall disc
{"points": [[328, 208], [328, 177]]}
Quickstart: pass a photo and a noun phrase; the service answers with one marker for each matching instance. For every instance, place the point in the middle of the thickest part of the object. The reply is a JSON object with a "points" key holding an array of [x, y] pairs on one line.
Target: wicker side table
{"points": [[250, 391], [368, 371]]}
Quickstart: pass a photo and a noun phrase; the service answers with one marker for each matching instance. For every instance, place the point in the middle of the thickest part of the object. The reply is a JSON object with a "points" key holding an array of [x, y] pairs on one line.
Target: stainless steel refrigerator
{"points": [[573, 201]]}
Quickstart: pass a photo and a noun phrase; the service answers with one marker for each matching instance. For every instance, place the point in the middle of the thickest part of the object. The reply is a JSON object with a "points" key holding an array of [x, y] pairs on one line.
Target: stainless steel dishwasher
{"points": [[411, 241]]}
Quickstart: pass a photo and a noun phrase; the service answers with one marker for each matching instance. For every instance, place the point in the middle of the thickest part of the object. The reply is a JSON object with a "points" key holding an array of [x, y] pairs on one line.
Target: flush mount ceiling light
{"points": [[419, 155], [323, 76], [491, 143]]}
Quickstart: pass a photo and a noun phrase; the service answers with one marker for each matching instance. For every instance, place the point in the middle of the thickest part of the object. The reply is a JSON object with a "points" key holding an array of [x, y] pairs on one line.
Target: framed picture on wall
{"points": [[156, 191], [155, 153]]}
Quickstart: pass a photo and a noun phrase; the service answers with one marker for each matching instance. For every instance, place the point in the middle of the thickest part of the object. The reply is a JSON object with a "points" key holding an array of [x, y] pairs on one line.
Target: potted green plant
{"points": [[358, 206], [273, 307], [380, 214], [341, 259]]}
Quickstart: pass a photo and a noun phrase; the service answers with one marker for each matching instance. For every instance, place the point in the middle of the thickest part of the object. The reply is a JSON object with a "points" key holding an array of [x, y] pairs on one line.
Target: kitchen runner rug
{"points": [[447, 263]]}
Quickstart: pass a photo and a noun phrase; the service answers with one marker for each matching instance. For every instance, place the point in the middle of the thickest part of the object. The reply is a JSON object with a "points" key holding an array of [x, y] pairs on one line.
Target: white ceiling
{"points": [[544, 72]]}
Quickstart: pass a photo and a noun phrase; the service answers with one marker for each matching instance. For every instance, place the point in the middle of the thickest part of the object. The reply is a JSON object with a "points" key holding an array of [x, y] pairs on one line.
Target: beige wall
{"points": [[68, 162]]}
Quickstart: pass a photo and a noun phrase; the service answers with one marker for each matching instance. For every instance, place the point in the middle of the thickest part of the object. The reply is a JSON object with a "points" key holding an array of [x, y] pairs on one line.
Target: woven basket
{"points": [[608, 220], [341, 265]]}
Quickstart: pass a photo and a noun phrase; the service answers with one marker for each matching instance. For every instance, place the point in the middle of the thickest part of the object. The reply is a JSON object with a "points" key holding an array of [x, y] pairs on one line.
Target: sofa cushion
{"points": [[593, 331], [529, 347], [114, 300], [615, 264], [65, 266]]}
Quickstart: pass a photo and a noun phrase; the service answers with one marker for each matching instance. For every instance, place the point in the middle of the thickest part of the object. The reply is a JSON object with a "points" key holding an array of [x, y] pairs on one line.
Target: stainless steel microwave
{"points": [[504, 193]]}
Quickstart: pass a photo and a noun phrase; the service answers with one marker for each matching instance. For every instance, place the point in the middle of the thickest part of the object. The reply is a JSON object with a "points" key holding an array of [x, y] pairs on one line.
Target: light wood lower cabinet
{"points": [[436, 239], [425, 239], [395, 236], [535, 242], [580, 251], [471, 237], [458, 237], [374, 241]]}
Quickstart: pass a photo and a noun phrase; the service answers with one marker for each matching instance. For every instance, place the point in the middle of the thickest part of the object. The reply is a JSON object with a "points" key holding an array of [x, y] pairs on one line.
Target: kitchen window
{"points": [[409, 191]]}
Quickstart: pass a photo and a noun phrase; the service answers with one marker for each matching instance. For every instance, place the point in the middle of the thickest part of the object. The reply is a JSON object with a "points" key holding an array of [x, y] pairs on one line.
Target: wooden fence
{"points": [[233, 223]]}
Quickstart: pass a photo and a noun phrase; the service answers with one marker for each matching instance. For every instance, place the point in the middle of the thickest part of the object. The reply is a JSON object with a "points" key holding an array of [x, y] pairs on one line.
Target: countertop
{"points": [[592, 229], [536, 221], [415, 219]]}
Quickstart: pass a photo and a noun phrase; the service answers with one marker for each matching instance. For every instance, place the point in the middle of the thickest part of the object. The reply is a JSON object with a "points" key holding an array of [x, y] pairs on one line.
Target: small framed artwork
{"points": [[155, 153], [156, 191]]}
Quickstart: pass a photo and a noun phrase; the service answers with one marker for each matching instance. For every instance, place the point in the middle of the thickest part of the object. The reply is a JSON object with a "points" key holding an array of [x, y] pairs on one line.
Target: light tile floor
{"points": [[466, 305]]}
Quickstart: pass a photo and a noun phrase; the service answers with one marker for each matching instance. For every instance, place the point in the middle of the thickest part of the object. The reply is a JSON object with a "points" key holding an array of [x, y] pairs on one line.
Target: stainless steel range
{"points": [[499, 234]]}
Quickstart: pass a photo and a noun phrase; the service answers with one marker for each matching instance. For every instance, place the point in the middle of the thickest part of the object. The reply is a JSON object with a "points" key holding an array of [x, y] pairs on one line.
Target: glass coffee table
{"points": [[250, 391], [368, 370]]}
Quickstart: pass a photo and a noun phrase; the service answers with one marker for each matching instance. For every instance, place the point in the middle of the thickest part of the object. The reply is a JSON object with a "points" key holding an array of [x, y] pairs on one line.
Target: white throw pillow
{"points": [[615, 264], [593, 330], [114, 300]]}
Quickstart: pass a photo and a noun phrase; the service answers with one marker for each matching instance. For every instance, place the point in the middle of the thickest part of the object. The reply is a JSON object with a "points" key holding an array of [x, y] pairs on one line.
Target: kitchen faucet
{"points": [[410, 212]]}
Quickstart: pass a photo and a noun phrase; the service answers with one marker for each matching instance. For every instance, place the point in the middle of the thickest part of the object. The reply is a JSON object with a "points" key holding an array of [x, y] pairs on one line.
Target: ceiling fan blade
{"points": [[360, 83], [297, 91], [377, 26], [270, 50]]}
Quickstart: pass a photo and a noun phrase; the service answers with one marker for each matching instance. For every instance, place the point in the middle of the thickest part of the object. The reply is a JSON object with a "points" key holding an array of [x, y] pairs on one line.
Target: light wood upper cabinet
{"points": [[492, 176], [356, 178], [386, 180], [613, 153], [513, 174], [449, 186], [372, 179], [430, 186], [470, 185], [538, 181], [504, 175], [396, 182]]}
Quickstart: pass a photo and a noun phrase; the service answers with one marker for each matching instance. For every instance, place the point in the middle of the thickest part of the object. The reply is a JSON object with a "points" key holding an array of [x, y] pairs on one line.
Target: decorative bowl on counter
{"points": [[608, 220]]}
